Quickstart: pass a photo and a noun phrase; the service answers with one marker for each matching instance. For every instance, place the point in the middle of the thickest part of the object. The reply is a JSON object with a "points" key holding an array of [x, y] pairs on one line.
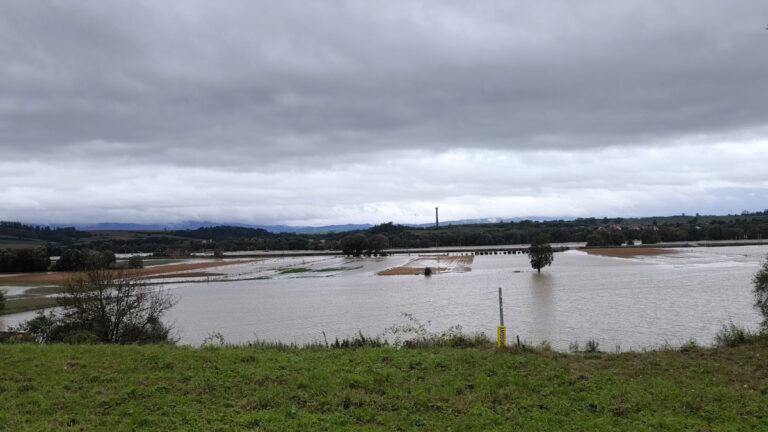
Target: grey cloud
{"points": [[335, 111], [246, 83]]}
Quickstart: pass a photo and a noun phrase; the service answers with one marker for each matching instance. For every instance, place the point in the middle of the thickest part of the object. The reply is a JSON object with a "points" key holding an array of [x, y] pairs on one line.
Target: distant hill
{"points": [[193, 225]]}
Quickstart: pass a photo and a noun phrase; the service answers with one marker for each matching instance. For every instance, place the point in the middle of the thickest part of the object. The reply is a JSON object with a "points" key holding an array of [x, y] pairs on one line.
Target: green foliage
{"points": [[760, 281], [85, 259], [731, 335], [377, 243], [540, 253], [354, 245], [597, 232], [415, 334], [108, 306], [592, 346], [650, 236], [135, 262], [67, 235], [24, 260], [289, 270]]}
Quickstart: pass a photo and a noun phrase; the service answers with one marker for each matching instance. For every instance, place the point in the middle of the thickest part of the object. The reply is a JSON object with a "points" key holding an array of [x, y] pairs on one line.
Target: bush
{"points": [[108, 306], [135, 262], [415, 334], [731, 335], [760, 281], [592, 346]]}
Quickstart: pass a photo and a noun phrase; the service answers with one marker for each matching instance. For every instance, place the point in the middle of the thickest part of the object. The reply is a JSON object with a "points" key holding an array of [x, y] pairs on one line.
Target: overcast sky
{"points": [[320, 112]]}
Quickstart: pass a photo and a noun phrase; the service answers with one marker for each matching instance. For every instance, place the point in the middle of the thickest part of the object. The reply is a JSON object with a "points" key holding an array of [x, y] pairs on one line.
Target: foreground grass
{"points": [[99, 387]]}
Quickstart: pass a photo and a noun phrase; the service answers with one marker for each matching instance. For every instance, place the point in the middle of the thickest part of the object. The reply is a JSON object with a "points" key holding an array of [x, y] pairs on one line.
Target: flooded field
{"points": [[634, 303]]}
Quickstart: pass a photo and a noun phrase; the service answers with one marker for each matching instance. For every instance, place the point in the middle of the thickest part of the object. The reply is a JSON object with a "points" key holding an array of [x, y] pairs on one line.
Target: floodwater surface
{"points": [[637, 303]]}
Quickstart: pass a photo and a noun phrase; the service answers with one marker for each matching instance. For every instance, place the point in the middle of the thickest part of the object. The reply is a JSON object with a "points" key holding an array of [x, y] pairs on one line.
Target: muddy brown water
{"points": [[637, 303]]}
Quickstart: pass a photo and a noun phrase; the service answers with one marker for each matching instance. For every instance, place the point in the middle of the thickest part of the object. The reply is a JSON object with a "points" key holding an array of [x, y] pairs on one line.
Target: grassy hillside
{"points": [[64, 387]]}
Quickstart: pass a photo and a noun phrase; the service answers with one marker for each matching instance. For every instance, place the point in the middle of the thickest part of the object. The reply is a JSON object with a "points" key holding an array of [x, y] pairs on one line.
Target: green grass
{"points": [[150, 261], [43, 290], [18, 284], [336, 269], [16, 305], [97, 387], [289, 270]]}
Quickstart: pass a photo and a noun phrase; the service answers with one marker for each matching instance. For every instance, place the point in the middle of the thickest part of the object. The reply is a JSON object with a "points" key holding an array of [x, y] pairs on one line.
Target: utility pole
{"points": [[437, 221]]}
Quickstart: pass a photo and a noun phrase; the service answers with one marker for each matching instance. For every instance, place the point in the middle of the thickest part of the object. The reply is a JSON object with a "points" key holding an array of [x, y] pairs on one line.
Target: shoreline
{"points": [[628, 252], [58, 278]]}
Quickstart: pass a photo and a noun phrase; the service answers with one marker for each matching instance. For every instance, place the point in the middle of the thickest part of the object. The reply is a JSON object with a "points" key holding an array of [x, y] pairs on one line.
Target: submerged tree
{"points": [[540, 252], [760, 281], [354, 245], [109, 306]]}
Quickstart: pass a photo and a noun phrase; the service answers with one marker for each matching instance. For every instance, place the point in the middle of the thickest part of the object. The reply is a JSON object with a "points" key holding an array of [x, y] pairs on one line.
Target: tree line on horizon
{"points": [[593, 231]]}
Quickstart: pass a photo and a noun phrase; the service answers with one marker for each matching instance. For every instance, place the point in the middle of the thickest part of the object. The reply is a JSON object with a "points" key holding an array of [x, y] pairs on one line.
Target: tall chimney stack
{"points": [[437, 221]]}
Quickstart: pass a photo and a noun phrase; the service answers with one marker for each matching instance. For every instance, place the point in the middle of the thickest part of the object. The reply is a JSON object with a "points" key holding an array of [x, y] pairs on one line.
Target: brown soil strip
{"points": [[400, 271], [416, 266], [61, 277], [183, 275], [628, 252]]}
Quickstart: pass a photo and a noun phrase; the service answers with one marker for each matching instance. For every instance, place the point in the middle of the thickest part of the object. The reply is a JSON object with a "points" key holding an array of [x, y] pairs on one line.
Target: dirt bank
{"points": [[629, 252], [438, 264], [61, 277]]}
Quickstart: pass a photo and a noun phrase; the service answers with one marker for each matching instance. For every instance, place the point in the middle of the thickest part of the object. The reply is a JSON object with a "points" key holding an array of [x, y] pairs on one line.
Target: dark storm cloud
{"points": [[233, 83], [321, 112]]}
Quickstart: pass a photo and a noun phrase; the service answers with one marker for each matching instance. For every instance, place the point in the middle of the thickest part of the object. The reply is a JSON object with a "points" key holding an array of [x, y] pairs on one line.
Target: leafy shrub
{"points": [[109, 306], [760, 281], [135, 262], [592, 346], [731, 335]]}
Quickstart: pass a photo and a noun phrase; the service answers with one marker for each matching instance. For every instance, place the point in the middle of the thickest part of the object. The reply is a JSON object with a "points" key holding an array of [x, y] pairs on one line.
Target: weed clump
{"points": [[732, 335]]}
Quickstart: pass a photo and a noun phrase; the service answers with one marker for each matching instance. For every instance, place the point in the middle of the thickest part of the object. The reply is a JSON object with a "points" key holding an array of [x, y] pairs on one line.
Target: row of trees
{"points": [[68, 235], [598, 232], [85, 259], [24, 260], [360, 244]]}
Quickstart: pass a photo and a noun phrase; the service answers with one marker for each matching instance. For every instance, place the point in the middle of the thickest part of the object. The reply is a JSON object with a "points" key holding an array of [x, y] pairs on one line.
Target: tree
{"points": [[109, 306], [24, 260], [649, 236], [2, 300], [377, 243], [85, 259], [71, 260], [760, 281], [135, 262], [354, 245], [540, 252]]}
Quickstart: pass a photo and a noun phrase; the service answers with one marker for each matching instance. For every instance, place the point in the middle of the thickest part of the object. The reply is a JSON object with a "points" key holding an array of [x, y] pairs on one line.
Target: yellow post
{"points": [[501, 330]]}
